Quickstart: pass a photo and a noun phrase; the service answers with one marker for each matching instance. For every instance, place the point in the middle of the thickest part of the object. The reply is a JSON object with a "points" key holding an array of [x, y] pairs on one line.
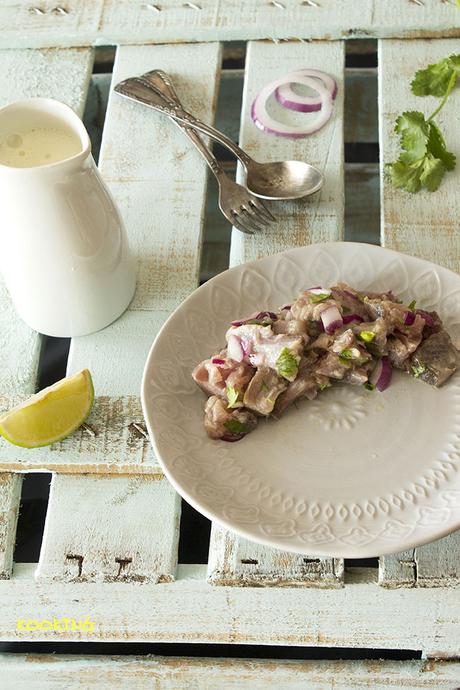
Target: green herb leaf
{"points": [[432, 173], [434, 79], [418, 370], [411, 306], [414, 131], [437, 147], [346, 354], [287, 364], [323, 386], [232, 395], [315, 299], [236, 427], [366, 336], [425, 159], [369, 386]]}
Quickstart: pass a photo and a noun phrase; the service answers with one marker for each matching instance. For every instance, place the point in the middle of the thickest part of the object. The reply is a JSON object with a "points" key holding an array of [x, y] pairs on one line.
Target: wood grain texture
{"points": [[425, 224], [159, 183], [110, 529], [84, 22], [235, 561], [10, 497], [49, 672], [362, 614], [300, 222], [432, 565], [320, 217], [113, 439]]}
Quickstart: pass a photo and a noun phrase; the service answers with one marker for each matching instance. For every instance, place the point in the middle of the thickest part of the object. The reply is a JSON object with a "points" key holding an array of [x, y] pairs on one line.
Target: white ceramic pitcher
{"points": [[63, 249]]}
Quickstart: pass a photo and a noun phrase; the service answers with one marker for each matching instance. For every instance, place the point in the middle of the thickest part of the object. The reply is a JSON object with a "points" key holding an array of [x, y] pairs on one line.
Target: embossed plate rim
{"points": [[286, 534]]}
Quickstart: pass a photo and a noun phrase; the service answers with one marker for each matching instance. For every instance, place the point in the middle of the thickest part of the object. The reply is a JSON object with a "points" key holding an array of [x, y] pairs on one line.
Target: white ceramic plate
{"points": [[353, 473]]}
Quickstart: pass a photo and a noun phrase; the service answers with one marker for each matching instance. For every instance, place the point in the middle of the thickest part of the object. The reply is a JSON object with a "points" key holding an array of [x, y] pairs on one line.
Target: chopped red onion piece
{"points": [[381, 374], [348, 318], [285, 306], [234, 349], [217, 360], [247, 347], [426, 316], [410, 318], [256, 316], [332, 319]]}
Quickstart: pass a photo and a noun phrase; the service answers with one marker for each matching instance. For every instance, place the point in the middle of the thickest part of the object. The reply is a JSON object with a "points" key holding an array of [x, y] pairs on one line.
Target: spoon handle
{"points": [[139, 89], [160, 81]]}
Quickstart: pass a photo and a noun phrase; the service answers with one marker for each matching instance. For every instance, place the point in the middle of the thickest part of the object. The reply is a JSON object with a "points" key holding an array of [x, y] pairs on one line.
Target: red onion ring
{"points": [[288, 98], [267, 123]]}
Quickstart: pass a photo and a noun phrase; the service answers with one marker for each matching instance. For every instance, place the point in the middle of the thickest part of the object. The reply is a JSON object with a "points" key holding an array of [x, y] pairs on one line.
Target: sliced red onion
{"points": [[288, 98], [410, 318], [348, 318], [319, 291], [381, 374], [234, 349], [285, 306], [331, 319], [264, 121], [256, 316], [426, 316], [217, 360]]}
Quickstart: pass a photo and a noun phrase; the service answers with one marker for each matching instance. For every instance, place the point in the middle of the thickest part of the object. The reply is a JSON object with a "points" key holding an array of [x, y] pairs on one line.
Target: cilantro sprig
{"points": [[424, 158]]}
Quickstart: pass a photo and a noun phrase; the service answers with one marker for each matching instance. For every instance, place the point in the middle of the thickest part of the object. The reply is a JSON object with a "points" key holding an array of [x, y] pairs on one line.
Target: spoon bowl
{"points": [[283, 179]]}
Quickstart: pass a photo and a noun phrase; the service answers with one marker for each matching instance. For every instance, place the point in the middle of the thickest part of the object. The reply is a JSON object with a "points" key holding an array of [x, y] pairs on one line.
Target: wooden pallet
{"points": [[110, 544]]}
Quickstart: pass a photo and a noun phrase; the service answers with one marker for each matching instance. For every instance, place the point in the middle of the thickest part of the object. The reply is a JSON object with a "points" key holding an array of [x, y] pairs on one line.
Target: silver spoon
{"points": [[278, 180]]}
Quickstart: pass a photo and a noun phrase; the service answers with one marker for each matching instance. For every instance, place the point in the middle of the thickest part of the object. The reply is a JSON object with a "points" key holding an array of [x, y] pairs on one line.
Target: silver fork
{"points": [[245, 211]]}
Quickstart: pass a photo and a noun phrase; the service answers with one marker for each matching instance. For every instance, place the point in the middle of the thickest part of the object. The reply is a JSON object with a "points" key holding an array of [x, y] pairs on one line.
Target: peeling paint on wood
{"points": [[86, 22], [190, 610], [110, 529], [425, 225], [10, 497], [51, 672], [235, 561]]}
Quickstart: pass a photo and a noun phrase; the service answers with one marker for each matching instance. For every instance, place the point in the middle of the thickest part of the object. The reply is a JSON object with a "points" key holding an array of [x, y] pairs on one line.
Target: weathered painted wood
{"points": [[10, 497], [110, 529], [112, 440], [320, 217], [362, 614], [159, 183], [237, 561], [50, 672], [62, 74], [424, 225], [44, 23], [300, 222], [432, 565]]}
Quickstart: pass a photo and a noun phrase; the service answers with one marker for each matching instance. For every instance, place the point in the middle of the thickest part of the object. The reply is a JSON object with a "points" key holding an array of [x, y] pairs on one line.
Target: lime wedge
{"points": [[50, 415]]}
